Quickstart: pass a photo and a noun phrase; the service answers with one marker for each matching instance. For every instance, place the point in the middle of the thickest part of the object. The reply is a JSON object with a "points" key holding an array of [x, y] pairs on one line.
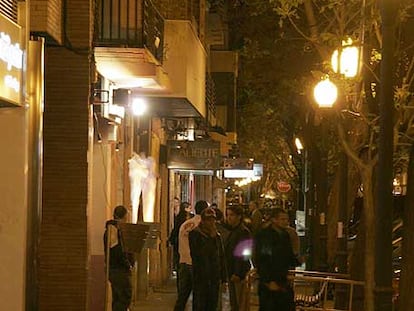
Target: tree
{"points": [[270, 111], [328, 23]]}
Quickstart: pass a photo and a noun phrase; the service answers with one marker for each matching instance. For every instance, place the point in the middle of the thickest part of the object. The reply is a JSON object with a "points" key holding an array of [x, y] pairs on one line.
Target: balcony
{"points": [[185, 64], [129, 40], [131, 24]]}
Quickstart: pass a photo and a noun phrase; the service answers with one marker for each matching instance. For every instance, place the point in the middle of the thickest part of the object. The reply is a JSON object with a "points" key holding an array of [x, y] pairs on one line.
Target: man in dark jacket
{"points": [[207, 260], [274, 257], [120, 262], [237, 251]]}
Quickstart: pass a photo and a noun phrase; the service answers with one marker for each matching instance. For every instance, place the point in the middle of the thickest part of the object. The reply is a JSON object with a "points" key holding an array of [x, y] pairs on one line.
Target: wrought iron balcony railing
{"points": [[130, 23], [210, 95]]}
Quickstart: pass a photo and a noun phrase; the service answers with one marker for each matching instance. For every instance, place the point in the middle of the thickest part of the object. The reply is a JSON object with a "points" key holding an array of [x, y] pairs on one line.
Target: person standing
{"points": [[219, 213], [273, 258], [236, 245], [119, 263], [206, 250], [176, 206], [256, 217], [185, 270], [179, 219]]}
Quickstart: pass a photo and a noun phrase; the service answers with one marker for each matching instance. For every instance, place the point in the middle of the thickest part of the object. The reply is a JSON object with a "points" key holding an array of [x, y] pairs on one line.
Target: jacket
{"points": [[273, 255], [207, 257], [118, 258], [236, 262], [183, 244]]}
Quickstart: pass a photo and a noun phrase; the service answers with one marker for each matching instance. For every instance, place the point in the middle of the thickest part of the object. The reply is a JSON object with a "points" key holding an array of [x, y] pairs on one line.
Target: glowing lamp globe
{"points": [[139, 106], [325, 93], [346, 60]]}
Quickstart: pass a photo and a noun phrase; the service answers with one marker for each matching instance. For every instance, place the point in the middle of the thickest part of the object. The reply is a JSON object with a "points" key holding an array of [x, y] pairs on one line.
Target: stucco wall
{"points": [[13, 207]]}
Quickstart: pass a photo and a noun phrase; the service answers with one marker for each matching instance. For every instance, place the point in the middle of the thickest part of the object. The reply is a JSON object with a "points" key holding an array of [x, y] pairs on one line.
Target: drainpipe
{"points": [[35, 78]]}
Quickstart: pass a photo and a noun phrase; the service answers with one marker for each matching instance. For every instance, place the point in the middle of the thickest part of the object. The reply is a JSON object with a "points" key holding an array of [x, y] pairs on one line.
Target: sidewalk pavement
{"points": [[163, 299]]}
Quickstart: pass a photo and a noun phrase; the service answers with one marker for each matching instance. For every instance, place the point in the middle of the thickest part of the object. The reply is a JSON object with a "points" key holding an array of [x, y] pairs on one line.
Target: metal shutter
{"points": [[9, 8]]}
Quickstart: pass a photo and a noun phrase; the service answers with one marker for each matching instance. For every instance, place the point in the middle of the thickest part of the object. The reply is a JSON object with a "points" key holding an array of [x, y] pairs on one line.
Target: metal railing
{"points": [[210, 95], [130, 23], [312, 290]]}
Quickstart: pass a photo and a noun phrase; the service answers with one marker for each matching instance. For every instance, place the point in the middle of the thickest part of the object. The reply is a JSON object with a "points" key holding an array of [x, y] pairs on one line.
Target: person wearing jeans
{"points": [[185, 273]]}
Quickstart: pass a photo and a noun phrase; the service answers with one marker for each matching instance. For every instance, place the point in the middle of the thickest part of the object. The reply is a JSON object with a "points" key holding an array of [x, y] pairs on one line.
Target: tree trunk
{"points": [[407, 268]]}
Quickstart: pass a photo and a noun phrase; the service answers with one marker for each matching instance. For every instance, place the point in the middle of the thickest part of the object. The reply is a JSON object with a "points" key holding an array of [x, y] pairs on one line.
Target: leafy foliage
{"points": [[271, 108]]}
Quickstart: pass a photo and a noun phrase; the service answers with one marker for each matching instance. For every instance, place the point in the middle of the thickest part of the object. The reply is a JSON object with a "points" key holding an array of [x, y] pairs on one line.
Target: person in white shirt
{"points": [[185, 274]]}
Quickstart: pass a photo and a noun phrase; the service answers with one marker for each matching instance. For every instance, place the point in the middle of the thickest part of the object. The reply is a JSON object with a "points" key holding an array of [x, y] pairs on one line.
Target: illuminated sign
{"points": [[11, 61], [194, 155], [256, 172]]}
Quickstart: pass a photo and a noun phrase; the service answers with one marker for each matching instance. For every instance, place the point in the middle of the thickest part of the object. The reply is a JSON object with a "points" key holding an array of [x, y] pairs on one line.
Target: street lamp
{"points": [[325, 93], [346, 60], [299, 145]]}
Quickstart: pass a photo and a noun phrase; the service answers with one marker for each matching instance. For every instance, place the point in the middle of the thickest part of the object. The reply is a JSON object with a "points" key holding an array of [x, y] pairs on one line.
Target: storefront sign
{"points": [[11, 62], [256, 172], [194, 155], [238, 164]]}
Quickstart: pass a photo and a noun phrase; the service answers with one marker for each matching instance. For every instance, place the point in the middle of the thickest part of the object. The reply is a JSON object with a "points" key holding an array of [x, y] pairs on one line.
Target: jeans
{"points": [[206, 295], [185, 286], [121, 289]]}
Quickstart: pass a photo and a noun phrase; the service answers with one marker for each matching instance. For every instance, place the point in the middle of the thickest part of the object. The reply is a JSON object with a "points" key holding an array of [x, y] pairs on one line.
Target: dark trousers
{"points": [[282, 300], [121, 289], [235, 293], [185, 286], [206, 295]]}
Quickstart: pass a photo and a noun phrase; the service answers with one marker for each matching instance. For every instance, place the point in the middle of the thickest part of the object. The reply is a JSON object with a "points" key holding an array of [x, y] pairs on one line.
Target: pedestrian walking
{"points": [[237, 247], [208, 263], [119, 263], [273, 258], [185, 269]]}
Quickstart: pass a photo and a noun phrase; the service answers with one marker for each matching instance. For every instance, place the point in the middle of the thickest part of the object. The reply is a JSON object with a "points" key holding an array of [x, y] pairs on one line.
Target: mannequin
{"points": [[143, 180]]}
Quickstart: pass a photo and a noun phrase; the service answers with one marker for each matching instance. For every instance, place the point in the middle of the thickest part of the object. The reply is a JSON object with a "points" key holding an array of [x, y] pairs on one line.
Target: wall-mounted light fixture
{"points": [[118, 146], [138, 106]]}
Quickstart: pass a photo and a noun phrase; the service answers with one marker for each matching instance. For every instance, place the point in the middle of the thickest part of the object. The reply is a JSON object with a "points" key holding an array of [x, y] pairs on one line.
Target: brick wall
{"points": [[78, 26], [63, 251], [46, 17], [63, 243]]}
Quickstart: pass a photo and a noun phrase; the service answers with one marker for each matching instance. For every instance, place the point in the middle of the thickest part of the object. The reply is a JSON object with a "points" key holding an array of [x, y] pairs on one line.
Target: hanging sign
{"points": [[194, 155]]}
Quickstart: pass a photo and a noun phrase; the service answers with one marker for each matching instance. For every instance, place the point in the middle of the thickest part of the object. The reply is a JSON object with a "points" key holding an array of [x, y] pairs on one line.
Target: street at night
{"points": [[206, 155]]}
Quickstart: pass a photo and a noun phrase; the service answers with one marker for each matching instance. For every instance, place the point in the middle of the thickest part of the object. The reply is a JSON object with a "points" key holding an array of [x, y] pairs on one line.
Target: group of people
{"points": [[212, 251]]}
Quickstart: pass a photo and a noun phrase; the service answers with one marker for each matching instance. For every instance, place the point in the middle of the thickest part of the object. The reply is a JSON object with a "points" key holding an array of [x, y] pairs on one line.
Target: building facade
{"points": [[69, 135]]}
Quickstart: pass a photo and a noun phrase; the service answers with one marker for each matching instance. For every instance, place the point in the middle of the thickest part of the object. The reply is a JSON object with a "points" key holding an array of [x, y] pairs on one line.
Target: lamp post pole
{"points": [[383, 220], [342, 248]]}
